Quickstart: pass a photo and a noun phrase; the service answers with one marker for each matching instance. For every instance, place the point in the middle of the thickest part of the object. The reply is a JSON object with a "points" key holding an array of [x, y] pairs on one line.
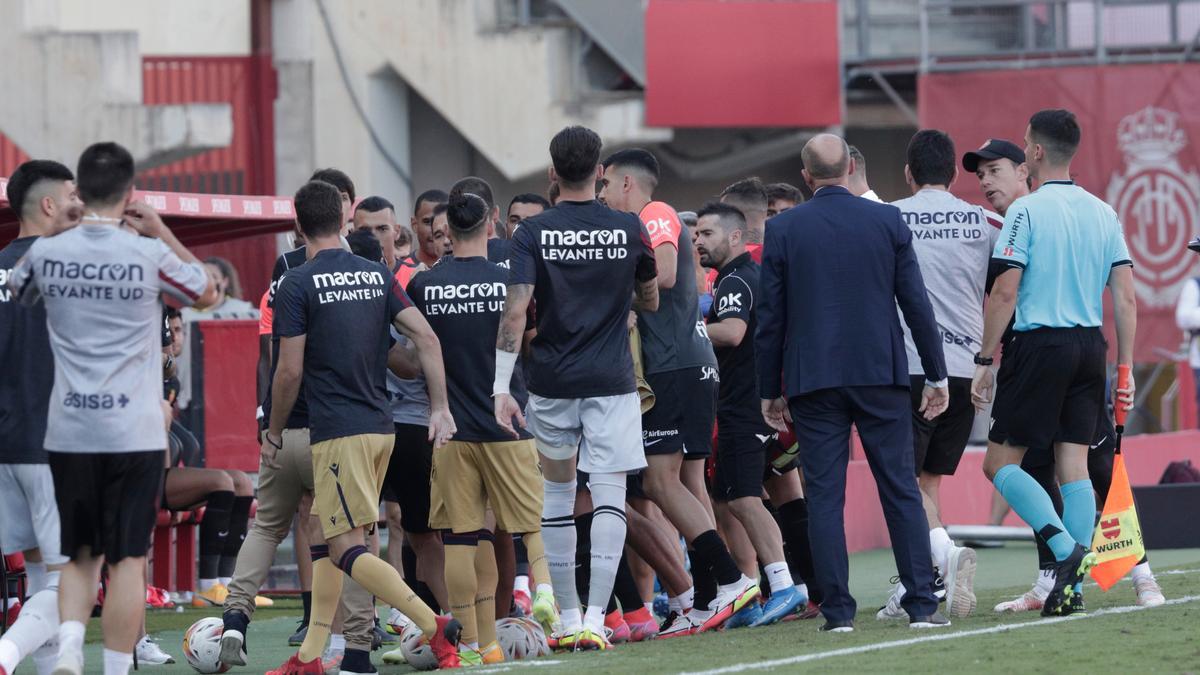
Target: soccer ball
{"points": [[416, 651], [521, 638], [202, 645], [538, 635], [515, 639]]}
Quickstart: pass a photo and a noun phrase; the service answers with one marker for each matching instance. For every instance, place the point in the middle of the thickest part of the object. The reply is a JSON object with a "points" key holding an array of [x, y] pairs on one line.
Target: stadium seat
{"points": [[12, 568], [175, 554]]}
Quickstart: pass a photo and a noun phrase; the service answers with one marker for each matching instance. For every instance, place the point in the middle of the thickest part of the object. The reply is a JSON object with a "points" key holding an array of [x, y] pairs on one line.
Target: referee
{"points": [[1060, 247]]}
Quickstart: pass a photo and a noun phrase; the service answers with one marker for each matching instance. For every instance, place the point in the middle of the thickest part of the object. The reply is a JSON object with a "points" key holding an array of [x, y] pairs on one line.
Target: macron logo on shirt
{"points": [[360, 278], [495, 289], [568, 245], [373, 280], [479, 298]]}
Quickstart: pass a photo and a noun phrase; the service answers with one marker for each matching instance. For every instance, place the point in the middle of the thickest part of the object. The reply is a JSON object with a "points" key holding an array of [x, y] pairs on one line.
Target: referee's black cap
{"points": [[994, 148]]}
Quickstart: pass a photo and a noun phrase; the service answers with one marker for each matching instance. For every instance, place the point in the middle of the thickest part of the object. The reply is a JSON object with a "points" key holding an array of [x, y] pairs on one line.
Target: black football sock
{"points": [[239, 522], [214, 530], [625, 587], [702, 580], [712, 549]]}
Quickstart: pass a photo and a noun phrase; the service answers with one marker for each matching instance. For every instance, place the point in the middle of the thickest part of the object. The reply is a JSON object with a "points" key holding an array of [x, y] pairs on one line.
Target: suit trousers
{"points": [[883, 416], [283, 480]]}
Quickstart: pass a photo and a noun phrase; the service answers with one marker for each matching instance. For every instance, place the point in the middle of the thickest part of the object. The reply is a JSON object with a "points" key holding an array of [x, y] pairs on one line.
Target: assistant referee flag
{"points": [[1117, 540]]}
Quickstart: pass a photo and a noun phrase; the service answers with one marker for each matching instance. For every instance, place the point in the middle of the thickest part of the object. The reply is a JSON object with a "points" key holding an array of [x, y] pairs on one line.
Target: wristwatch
{"points": [[981, 360]]}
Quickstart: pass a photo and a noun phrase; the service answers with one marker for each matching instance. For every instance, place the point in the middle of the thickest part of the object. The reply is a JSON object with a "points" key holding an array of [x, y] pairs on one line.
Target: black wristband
{"points": [[980, 360], [277, 446]]}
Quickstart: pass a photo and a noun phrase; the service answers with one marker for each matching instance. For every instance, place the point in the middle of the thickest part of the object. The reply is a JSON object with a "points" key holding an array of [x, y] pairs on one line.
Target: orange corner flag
{"points": [[1118, 538]]}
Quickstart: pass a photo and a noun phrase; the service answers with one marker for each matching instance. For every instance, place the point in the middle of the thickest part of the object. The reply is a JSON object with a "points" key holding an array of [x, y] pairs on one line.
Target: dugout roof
{"points": [[194, 218]]}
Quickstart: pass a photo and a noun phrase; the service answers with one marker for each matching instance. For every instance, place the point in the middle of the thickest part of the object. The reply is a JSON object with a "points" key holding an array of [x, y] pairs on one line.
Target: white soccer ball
{"points": [[516, 640], [538, 636], [202, 645], [416, 651]]}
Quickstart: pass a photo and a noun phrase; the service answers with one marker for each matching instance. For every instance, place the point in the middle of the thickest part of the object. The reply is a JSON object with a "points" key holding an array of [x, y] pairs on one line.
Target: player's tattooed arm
{"points": [[508, 344], [645, 296], [513, 322]]}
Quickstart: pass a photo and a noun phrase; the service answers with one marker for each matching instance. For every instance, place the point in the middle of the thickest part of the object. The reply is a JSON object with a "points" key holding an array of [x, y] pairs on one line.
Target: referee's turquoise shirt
{"points": [[1067, 241]]}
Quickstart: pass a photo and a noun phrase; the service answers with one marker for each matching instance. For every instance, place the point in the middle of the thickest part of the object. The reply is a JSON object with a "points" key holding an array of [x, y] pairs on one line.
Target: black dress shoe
{"points": [[838, 627], [935, 620]]}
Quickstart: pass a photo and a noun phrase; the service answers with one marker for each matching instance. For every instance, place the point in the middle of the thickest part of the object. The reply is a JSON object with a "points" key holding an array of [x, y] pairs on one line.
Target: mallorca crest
{"points": [[1158, 202]]}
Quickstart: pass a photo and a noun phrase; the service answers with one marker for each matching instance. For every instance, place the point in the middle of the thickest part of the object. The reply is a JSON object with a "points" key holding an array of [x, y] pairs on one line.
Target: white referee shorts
{"points": [[28, 512], [606, 431]]}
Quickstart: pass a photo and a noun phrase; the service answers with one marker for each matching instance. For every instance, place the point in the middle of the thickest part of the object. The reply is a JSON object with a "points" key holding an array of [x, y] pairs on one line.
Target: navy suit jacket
{"points": [[833, 271]]}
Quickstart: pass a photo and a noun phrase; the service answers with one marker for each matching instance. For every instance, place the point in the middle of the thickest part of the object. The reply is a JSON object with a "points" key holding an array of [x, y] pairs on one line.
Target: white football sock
{"points": [[46, 656], [117, 663], [206, 584], [70, 639], [558, 536], [778, 576], [1045, 581], [940, 545], [521, 583], [37, 623], [608, 542], [571, 619], [1142, 571]]}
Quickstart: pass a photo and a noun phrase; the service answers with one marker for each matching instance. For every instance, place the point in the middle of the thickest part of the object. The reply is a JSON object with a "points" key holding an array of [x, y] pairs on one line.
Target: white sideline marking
{"points": [[804, 658], [509, 665]]}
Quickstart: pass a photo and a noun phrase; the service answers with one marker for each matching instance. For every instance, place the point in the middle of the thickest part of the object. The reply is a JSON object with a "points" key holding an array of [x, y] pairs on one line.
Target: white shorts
{"points": [[606, 431], [28, 512]]}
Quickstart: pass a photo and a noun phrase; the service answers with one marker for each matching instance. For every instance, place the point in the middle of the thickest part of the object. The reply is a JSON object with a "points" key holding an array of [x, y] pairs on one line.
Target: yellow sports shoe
{"points": [[394, 657], [213, 597], [263, 601], [589, 640], [544, 610], [469, 657], [492, 654]]}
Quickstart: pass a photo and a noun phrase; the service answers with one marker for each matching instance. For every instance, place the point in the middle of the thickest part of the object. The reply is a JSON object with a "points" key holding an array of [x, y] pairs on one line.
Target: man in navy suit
{"points": [[830, 353]]}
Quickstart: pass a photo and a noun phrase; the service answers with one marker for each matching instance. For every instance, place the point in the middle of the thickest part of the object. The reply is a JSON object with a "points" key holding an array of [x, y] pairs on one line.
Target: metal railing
{"points": [[937, 35]]}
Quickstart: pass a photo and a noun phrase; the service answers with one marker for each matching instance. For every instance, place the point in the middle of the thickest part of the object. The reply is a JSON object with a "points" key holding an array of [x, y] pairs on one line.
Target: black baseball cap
{"points": [[994, 148], [1195, 245]]}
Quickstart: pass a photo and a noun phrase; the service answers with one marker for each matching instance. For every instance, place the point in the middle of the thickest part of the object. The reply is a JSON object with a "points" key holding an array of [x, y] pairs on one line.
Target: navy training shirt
{"points": [[28, 369], [733, 298], [583, 260], [344, 305], [463, 300], [497, 251]]}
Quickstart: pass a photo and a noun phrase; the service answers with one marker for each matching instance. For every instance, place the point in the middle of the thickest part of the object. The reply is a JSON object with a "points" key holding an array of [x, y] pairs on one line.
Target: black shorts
{"points": [[685, 404], [741, 466], [1101, 452], [938, 444], [107, 502], [1050, 388], [408, 476]]}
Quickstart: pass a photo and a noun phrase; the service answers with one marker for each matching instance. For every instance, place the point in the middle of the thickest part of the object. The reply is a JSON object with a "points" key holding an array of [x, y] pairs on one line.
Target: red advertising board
{"points": [[711, 63], [1140, 153]]}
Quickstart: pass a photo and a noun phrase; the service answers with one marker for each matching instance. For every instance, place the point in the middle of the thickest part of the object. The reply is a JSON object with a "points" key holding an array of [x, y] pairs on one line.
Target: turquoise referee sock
{"points": [[1032, 503], [1079, 510]]}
